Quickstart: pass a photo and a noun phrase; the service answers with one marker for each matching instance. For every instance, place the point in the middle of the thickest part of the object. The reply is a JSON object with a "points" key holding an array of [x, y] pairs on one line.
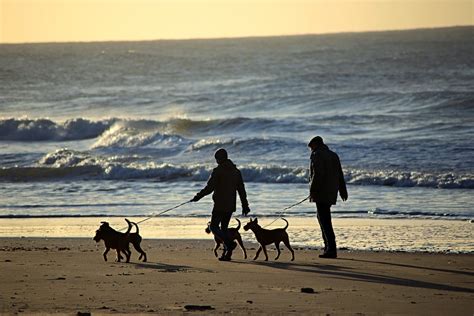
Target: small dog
{"points": [[266, 237], [233, 234], [114, 240], [136, 239]]}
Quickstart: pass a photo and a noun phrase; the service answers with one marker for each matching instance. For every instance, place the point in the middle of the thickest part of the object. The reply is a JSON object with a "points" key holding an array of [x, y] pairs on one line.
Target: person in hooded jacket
{"points": [[225, 181], [326, 179]]}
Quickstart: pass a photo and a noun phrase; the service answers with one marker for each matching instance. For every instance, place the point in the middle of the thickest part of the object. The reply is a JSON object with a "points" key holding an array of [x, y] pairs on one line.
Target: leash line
{"points": [[286, 208], [161, 213], [179, 205]]}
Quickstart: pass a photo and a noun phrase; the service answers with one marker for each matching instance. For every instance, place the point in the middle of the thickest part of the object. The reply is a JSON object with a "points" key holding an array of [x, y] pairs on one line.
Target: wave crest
{"points": [[73, 163], [122, 135], [41, 129], [45, 129]]}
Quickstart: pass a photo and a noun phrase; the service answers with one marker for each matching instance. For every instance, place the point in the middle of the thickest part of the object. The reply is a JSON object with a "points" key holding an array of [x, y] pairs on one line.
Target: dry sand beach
{"points": [[68, 275]]}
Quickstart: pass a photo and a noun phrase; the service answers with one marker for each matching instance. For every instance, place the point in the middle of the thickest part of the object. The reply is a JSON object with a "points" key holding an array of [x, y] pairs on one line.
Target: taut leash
{"points": [[161, 213], [286, 208]]}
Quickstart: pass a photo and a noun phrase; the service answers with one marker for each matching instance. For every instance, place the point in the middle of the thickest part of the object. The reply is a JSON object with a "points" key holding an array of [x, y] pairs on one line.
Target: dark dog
{"points": [[233, 234], [136, 239], [266, 237], [114, 240]]}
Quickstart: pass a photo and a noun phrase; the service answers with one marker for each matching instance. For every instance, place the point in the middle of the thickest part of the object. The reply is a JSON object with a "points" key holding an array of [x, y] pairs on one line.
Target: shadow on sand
{"points": [[163, 267], [347, 273], [411, 266]]}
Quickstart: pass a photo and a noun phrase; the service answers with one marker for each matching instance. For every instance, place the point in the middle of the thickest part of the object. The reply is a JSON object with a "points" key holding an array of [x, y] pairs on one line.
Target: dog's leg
{"points": [[119, 257], [218, 244], [128, 253], [241, 244], [287, 244], [105, 253], [258, 252], [277, 245], [137, 247], [265, 252]]}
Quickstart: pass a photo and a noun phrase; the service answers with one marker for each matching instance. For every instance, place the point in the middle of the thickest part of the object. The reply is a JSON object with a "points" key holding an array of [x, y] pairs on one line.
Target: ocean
{"points": [[130, 128]]}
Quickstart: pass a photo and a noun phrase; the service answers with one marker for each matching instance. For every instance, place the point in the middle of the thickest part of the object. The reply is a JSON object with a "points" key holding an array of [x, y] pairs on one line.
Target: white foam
{"points": [[116, 168]]}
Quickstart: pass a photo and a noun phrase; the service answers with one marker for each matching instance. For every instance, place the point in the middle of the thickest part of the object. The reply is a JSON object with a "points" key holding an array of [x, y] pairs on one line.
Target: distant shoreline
{"points": [[249, 37]]}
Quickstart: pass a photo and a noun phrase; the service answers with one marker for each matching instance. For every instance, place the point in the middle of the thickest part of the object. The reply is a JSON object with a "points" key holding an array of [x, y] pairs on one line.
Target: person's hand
{"points": [[344, 196], [312, 196], [195, 199], [245, 210]]}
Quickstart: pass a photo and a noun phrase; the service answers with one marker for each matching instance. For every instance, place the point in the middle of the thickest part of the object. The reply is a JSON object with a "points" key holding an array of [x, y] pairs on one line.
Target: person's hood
{"points": [[322, 147], [227, 164]]}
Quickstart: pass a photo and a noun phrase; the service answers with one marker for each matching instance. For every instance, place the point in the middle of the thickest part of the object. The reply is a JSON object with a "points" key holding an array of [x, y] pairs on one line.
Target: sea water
{"points": [[129, 128]]}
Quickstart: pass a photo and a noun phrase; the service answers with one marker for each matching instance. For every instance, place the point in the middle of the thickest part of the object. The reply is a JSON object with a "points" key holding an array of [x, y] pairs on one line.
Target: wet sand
{"points": [[423, 235], [69, 275]]}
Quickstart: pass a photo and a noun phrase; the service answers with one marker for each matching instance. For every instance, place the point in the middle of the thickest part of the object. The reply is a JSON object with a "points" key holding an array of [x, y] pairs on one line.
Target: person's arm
{"points": [[342, 183], [317, 170], [208, 189], [242, 194]]}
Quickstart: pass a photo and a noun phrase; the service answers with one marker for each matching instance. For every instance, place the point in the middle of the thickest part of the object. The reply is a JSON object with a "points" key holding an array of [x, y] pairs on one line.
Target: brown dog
{"points": [[233, 234], [114, 240], [266, 237], [136, 239]]}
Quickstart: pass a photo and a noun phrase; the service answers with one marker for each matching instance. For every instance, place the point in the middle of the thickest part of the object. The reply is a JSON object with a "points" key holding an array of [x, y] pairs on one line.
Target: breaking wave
{"points": [[120, 136], [254, 145], [45, 129], [68, 163]]}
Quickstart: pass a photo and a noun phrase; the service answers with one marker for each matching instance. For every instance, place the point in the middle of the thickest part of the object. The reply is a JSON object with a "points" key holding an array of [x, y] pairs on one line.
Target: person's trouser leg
{"points": [[322, 231], [225, 220], [219, 224], [324, 219]]}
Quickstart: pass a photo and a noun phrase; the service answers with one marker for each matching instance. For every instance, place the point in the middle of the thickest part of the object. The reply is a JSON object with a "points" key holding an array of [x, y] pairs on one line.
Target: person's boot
{"points": [[228, 253], [224, 252], [329, 253], [227, 256]]}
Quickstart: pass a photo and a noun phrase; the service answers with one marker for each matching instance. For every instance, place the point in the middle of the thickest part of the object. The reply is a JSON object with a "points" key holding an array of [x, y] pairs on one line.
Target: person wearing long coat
{"points": [[326, 180]]}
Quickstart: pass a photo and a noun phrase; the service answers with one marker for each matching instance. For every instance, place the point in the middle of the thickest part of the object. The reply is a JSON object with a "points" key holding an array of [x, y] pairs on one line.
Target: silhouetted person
{"points": [[224, 181], [326, 180]]}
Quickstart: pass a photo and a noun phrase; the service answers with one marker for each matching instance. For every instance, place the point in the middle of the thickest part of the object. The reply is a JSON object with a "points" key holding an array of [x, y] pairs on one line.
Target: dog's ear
{"points": [[256, 221], [105, 223]]}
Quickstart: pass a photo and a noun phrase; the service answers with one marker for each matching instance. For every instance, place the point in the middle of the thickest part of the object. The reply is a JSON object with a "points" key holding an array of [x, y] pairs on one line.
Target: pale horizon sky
{"points": [[26, 21]]}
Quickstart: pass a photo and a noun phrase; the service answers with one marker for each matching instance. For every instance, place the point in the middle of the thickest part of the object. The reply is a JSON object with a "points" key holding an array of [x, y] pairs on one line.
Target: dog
{"points": [[233, 234], [136, 239], [266, 237], [114, 240]]}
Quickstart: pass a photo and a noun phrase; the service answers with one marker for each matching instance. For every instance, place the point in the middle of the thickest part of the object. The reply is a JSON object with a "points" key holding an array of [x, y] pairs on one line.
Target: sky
{"points": [[114, 20]]}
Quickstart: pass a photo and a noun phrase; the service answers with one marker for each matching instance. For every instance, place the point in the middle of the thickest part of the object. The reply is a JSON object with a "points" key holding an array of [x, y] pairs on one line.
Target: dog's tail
{"points": [[238, 227], [286, 223], [129, 227], [136, 226]]}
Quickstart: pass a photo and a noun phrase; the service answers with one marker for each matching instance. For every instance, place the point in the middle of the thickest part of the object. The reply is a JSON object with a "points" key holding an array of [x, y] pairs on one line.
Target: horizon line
{"points": [[242, 36]]}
